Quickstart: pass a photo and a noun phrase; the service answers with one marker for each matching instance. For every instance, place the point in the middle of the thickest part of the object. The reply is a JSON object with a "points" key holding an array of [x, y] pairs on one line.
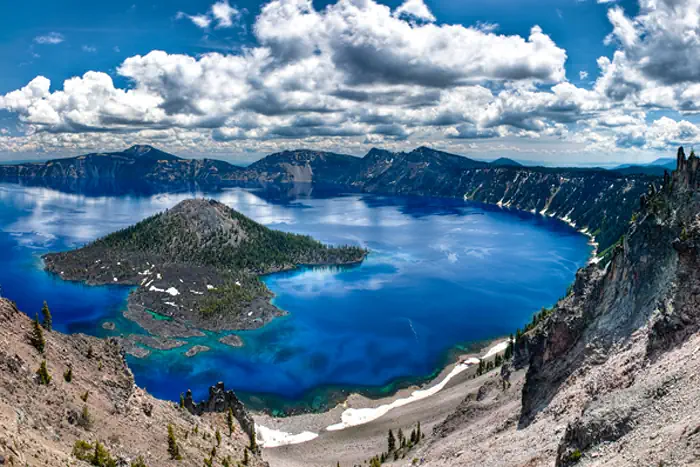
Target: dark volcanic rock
{"points": [[221, 400]]}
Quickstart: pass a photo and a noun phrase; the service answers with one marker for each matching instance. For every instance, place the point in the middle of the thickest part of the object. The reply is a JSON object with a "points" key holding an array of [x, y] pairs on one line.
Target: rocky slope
{"points": [[197, 264], [612, 373], [41, 424]]}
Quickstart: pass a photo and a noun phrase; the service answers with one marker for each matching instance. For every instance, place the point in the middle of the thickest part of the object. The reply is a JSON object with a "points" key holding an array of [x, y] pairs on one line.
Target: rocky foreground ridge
{"points": [[611, 376], [597, 200], [91, 398]]}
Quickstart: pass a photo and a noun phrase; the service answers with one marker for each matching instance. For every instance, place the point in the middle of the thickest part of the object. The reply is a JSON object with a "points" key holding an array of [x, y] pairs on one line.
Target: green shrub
{"points": [[43, 374]]}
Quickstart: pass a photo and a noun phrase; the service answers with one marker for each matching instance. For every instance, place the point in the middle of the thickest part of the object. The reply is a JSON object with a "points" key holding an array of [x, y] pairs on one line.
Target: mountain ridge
{"points": [[575, 195]]}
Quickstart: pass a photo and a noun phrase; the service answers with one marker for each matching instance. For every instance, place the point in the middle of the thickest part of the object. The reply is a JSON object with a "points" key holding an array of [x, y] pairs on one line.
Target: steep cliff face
{"points": [[600, 201], [642, 306], [41, 424], [301, 166]]}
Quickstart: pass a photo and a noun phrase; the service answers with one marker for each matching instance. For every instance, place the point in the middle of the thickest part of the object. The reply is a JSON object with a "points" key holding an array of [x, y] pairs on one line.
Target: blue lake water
{"points": [[441, 274]]}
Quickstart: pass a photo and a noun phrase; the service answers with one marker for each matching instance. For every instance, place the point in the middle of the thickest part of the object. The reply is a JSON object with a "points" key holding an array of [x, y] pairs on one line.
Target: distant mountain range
{"points": [[598, 200], [657, 167]]}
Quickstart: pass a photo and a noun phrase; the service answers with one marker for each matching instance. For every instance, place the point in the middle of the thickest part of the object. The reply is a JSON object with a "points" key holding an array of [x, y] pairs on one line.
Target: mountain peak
{"points": [[140, 149], [147, 151]]}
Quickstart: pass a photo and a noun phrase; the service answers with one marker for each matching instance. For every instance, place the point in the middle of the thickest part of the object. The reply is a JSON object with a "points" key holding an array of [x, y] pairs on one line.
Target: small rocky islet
{"points": [[195, 267]]}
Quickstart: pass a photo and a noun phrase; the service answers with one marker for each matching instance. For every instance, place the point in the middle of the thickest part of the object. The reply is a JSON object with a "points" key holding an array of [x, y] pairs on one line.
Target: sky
{"points": [[559, 81]]}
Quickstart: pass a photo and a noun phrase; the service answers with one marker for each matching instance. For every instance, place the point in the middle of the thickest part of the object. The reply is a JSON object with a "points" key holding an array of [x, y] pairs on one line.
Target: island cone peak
{"points": [[196, 264]]}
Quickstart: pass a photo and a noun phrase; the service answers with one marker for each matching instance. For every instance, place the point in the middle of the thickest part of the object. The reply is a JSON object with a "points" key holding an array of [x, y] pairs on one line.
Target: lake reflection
{"points": [[441, 273]]}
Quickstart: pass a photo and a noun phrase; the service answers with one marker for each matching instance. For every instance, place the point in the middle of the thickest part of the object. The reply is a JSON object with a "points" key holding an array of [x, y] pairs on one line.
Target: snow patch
{"points": [[172, 291], [354, 417], [269, 438]]}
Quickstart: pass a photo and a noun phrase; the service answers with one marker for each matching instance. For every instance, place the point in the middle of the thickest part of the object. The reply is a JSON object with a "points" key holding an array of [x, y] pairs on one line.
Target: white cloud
{"points": [[416, 9], [356, 73], [221, 14], [89, 48], [50, 38], [224, 14]]}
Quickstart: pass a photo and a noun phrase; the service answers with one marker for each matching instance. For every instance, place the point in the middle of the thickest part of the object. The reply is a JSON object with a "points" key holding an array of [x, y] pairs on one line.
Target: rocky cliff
{"points": [[51, 423], [612, 372]]}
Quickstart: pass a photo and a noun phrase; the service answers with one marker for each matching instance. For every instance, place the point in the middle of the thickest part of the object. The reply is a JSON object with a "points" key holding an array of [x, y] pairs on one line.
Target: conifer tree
{"points": [[68, 374], [246, 457], [391, 442], [36, 338], [173, 448], [46, 315], [229, 421], [218, 437], [401, 437], [509, 350], [182, 401], [43, 374], [418, 433]]}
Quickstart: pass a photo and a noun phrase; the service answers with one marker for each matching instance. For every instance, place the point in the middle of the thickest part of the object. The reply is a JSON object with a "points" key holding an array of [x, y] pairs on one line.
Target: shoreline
{"points": [[358, 410]]}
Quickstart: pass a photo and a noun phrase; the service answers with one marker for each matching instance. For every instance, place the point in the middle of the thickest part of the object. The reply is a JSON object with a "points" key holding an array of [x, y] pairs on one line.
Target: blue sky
{"points": [[134, 27], [542, 96]]}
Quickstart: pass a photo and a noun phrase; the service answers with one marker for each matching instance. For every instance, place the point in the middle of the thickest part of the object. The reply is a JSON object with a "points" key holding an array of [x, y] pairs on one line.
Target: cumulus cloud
{"points": [[221, 14], [658, 56], [415, 9], [359, 72], [50, 38]]}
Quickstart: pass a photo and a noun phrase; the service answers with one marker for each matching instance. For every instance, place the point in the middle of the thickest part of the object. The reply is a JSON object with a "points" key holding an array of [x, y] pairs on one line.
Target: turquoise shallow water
{"points": [[441, 273]]}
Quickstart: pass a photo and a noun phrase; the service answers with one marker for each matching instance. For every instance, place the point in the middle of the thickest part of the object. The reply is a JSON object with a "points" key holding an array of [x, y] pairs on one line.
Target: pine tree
{"points": [[253, 442], [139, 462], [391, 442], [43, 374], [37, 336], [413, 436], [68, 374], [401, 437], [509, 350], [182, 401], [46, 314], [218, 437], [418, 433], [481, 368], [229, 421], [246, 457], [173, 448]]}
